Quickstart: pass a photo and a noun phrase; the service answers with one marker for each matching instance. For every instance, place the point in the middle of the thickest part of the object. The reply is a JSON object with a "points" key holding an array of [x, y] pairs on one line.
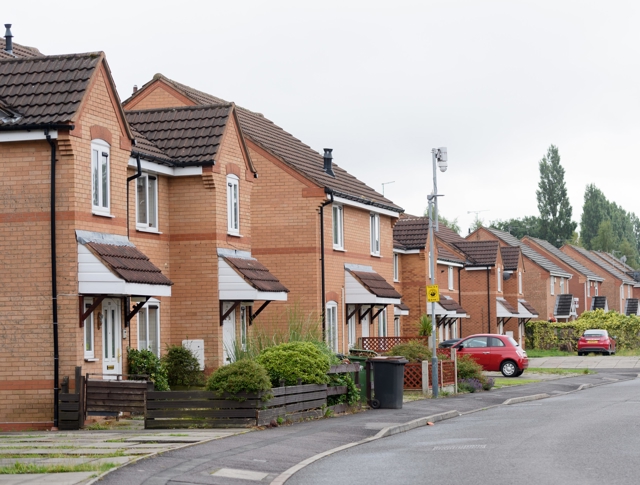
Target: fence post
{"points": [[454, 357], [425, 377]]}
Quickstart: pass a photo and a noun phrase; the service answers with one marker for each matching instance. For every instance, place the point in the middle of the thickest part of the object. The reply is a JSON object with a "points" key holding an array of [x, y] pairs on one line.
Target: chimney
{"points": [[8, 36], [327, 162], [135, 88]]}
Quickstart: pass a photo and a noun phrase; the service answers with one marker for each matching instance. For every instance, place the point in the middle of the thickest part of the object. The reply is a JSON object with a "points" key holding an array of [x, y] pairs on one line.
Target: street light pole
{"points": [[439, 155]]}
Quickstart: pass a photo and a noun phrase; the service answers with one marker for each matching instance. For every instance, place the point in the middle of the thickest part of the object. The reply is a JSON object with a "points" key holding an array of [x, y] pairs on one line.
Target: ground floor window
{"points": [[245, 313], [89, 351], [396, 326], [352, 328], [332, 325], [149, 328], [382, 323]]}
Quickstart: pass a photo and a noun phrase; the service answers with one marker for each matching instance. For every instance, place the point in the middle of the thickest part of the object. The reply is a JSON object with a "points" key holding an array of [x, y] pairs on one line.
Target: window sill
{"points": [[146, 229], [375, 255], [91, 359], [342, 250], [103, 214], [234, 234]]}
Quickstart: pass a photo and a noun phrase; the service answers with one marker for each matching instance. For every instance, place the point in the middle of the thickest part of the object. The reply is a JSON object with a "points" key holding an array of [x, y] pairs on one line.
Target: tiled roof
{"points": [[375, 283], [507, 306], [530, 253], [289, 149], [603, 264], [480, 253], [412, 232], [529, 307], [563, 305], [450, 305], [631, 306], [129, 263], [445, 255], [599, 302], [399, 245], [565, 258], [189, 136], [510, 256], [615, 262], [19, 51], [44, 90], [448, 235], [256, 274], [147, 149], [402, 306]]}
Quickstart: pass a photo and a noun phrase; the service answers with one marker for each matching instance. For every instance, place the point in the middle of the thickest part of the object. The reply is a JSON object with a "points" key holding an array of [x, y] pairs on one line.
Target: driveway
{"points": [[587, 362]]}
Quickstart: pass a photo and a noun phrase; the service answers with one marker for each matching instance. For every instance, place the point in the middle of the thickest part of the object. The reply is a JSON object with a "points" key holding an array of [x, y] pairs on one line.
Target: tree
{"points": [[527, 226], [630, 252], [594, 211], [477, 224], [556, 225], [606, 238], [451, 224]]}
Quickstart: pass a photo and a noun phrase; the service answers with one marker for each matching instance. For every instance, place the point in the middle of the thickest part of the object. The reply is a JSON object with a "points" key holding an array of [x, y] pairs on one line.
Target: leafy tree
{"points": [[556, 225], [526, 226], [630, 252], [477, 224], [606, 239], [594, 211], [451, 224]]}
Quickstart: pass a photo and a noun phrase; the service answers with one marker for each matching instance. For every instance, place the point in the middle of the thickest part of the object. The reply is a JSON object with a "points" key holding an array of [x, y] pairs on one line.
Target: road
{"points": [[579, 438]]}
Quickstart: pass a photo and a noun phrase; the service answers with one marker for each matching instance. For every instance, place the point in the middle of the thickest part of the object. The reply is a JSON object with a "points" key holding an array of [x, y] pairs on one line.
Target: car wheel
{"points": [[509, 368], [519, 373], [580, 354]]}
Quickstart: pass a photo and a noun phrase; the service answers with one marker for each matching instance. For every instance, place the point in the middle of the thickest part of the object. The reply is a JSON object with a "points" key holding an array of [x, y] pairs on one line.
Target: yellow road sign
{"points": [[432, 293]]}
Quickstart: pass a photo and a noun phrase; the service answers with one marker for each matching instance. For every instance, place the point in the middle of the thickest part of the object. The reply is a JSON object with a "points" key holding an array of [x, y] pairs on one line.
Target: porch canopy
{"points": [[526, 310], [447, 311], [367, 291], [242, 279], [400, 310], [111, 265]]}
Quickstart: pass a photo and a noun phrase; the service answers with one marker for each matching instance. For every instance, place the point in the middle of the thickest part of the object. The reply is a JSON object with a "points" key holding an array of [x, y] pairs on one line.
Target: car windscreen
{"points": [[595, 333]]}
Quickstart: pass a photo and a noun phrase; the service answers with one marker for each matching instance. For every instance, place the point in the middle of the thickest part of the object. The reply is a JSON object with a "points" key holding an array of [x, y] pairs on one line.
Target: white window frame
{"points": [[520, 282], [374, 230], [337, 212], [396, 326], [396, 269], [233, 204], [245, 313], [553, 285], [450, 277], [149, 216], [589, 283], [332, 325], [89, 333], [499, 272], [562, 286], [596, 286], [383, 331], [143, 323], [100, 156]]}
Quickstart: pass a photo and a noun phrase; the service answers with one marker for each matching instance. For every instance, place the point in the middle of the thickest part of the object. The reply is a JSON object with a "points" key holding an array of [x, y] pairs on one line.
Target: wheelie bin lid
{"points": [[391, 359]]}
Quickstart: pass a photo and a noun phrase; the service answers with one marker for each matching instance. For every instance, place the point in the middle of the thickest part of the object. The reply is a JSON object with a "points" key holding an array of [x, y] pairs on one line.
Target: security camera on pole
{"points": [[439, 155]]}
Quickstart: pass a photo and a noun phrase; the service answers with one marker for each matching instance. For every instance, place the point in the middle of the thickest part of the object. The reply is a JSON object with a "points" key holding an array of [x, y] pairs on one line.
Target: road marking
{"points": [[459, 447]]}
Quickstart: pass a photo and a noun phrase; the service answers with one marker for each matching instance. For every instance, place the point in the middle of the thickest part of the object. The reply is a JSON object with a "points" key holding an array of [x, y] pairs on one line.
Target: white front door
{"points": [[228, 333], [365, 326], [111, 341]]}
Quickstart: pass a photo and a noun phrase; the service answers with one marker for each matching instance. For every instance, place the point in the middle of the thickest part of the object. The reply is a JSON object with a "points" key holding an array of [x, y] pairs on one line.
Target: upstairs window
{"points": [[338, 227], [100, 193], [553, 285], [520, 282], [147, 202], [499, 279], [233, 205], [596, 288], [396, 270], [374, 225], [450, 274]]}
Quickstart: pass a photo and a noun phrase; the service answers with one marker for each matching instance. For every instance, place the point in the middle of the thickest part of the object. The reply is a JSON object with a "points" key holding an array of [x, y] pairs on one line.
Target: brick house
{"points": [[631, 306], [411, 253], [72, 279], [544, 283], [616, 289], [584, 283], [324, 233]]}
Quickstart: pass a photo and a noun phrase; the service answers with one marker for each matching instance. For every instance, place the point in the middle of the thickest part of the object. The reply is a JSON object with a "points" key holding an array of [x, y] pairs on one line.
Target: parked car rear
{"points": [[596, 341], [495, 353]]}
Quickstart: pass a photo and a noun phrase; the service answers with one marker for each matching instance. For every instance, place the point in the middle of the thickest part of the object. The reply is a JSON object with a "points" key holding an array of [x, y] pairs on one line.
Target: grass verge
{"points": [[540, 370], [20, 468]]}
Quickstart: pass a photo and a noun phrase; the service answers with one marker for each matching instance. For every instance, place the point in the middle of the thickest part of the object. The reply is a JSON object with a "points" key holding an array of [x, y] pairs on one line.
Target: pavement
{"points": [[268, 455], [589, 361]]}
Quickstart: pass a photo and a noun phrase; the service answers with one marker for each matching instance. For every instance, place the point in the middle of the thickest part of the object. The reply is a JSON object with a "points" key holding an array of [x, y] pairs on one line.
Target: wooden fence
{"points": [[112, 397], [71, 404], [205, 409], [413, 374], [385, 344]]}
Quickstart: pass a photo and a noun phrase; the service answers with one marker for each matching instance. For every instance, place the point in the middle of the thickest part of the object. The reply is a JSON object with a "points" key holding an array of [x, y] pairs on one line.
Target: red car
{"points": [[596, 341], [495, 353]]}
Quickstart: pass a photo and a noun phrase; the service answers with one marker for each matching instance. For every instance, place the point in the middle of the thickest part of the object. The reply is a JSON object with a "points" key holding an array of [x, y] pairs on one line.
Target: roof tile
{"points": [[376, 284], [256, 274]]}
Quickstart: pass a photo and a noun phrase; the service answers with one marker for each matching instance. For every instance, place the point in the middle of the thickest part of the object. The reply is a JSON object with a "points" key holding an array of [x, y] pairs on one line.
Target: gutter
{"points": [[328, 191]]}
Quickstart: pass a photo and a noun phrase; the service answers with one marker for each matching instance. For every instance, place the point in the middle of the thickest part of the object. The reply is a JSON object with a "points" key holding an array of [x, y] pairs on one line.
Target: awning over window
{"points": [[243, 278], [365, 286], [599, 302], [109, 264], [448, 307], [525, 310]]}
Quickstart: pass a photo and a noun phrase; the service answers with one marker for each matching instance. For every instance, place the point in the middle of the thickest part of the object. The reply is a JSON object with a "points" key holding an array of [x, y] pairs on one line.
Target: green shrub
{"points": [[469, 368], [424, 326], [241, 376], [414, 351], [145, 362], [293, 361], [351, 397], [182, 367]]}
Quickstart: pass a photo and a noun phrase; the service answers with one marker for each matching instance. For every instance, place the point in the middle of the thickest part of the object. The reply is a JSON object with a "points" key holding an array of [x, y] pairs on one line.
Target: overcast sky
{"points": [[382, 83]]}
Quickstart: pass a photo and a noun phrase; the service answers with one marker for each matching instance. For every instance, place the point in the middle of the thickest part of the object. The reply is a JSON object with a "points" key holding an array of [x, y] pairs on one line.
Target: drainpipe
{"points": [[54, 287], [129, 179], [325, 203], [460, 300], [488, 301]]}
